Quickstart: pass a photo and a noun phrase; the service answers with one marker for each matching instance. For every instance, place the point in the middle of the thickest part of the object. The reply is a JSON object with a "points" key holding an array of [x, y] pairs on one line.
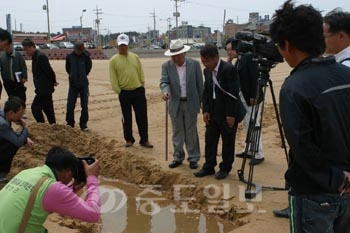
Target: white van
{"points": [[65, 45]]}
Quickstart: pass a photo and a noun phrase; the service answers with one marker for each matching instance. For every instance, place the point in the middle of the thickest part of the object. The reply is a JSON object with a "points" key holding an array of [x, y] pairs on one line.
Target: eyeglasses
{"points": [[330, 35]]}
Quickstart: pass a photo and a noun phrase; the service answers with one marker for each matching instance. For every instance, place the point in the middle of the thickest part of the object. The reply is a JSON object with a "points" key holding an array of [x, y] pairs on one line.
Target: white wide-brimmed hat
{"points": [[176, 47]]}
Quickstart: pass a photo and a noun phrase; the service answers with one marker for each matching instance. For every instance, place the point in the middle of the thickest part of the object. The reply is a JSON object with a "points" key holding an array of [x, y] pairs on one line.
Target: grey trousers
{"points": [[185, 132]]}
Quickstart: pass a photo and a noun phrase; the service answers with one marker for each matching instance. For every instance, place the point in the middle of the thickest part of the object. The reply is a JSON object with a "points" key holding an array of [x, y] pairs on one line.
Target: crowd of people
{"points": [[313, 101]]}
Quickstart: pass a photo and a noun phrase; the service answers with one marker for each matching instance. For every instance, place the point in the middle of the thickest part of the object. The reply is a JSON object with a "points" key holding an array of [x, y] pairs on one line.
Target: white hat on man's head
{"points": [[123, 39], [176, 47]]}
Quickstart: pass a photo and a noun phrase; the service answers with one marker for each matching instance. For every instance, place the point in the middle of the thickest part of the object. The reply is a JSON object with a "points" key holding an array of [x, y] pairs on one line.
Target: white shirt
{"points": [[345, 53], [181, 71], [214, 74]]}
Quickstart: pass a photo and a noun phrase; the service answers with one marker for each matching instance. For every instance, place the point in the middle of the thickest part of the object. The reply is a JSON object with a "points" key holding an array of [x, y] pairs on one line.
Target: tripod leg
{"points": [[280, 128], [248, 143]]}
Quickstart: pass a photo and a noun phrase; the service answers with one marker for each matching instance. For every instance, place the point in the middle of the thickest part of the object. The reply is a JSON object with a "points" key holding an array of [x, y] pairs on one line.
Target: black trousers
{"points": [[16, 89], [7, 152], [43, 104], [135, 99], [228, 135], [73, 93]]}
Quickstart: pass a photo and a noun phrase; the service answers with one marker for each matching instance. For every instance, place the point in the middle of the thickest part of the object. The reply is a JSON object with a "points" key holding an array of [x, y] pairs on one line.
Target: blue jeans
{"points": [[321, 213]]}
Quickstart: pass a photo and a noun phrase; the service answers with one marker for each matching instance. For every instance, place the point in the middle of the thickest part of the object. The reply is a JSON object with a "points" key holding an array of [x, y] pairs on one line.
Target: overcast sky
{"points": [[137, 15]]}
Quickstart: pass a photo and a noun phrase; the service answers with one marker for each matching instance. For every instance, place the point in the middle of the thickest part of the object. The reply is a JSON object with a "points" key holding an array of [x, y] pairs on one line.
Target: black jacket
{"points": [[78, 68], [315, 112], [248, 77], [43, 75], [224, 105]]}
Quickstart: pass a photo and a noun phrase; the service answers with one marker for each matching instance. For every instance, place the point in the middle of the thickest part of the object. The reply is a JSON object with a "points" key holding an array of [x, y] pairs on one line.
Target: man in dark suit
{"points": [[182, 84], [220, 109], [44, 79], [248, 80]]}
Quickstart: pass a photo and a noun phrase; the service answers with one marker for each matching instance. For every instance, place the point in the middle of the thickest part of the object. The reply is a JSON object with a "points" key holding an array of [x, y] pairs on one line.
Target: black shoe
{"points": [[221, 175], [256, 161], [174, 164], [128, 144], [146, 144], [202, 173], [193, 165], [284, 213], [244, 155]]}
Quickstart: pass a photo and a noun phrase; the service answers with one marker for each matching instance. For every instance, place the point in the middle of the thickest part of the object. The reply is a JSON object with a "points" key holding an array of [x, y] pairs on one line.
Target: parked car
{"points": [[17, 46], [88, 45], [48, 46], [154, 46], [65, 45]]}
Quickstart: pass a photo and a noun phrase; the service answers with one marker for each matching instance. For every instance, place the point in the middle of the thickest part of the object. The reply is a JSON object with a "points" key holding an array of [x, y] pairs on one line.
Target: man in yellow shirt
{"points": [[127, 79]]}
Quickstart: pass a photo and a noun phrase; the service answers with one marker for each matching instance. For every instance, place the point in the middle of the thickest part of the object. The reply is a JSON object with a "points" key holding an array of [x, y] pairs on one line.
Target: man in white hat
{"points": [[182, 84], [127, 79]]}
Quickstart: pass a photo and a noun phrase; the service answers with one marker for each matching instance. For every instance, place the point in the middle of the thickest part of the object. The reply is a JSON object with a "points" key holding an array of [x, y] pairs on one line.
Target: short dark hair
{"points": [[5, 35], [61, 159], [233, 41], [301, 26], [209, 51], [28, 42], [14, 103], [338, 21]]}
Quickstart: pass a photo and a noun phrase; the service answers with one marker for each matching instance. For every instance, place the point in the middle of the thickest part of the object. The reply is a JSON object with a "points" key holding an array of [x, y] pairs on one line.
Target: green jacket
{"points": [[14, 197]]}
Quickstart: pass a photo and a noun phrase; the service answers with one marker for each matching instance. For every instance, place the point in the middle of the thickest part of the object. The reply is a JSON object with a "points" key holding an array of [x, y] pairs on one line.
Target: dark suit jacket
{"points": [[248, 77], [224, 105], [43, 75]]}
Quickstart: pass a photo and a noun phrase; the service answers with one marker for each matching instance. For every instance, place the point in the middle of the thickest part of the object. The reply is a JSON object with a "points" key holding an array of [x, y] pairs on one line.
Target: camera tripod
{"points": [[254, 130]]}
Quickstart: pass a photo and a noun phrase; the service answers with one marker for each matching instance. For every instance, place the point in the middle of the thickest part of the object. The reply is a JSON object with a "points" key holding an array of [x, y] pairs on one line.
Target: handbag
{"points": [[30, 203], [241, 109]]}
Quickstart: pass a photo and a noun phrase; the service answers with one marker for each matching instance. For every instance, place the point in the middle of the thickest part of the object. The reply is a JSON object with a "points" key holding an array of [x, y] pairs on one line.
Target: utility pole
{"points": [[46, 8], [168, 27], [176, 14], [154, 25], [223, 25], [98, 21]]}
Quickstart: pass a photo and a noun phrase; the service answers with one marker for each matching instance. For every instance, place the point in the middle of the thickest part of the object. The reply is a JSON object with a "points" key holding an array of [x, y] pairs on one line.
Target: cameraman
{"points": [[56, 194], [336, 31], [248, 78], [315, 113]]}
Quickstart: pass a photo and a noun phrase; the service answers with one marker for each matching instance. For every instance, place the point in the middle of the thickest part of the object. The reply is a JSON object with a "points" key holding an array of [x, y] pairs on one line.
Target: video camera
{"points": [[258, 44], [81, 175]]}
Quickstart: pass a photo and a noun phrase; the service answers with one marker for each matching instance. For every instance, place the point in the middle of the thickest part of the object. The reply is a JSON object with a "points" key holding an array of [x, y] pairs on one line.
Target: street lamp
{"points": [[46, 8], [81, 23]]}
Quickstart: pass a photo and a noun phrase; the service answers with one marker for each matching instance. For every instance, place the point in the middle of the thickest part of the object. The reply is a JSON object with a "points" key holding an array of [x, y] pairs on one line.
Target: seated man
{"points": [[11, 141]]}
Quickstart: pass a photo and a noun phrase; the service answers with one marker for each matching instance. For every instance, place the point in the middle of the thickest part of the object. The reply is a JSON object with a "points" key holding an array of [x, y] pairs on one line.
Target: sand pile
{"points": [[116, 162]]}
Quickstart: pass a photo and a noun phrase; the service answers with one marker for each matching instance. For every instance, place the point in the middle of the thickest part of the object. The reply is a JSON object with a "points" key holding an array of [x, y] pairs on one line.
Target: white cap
{"points": [[123, 39]]}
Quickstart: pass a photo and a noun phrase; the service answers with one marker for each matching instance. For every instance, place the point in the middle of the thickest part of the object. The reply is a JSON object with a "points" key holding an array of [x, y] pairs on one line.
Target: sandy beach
{"points": [[139, 165]]}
